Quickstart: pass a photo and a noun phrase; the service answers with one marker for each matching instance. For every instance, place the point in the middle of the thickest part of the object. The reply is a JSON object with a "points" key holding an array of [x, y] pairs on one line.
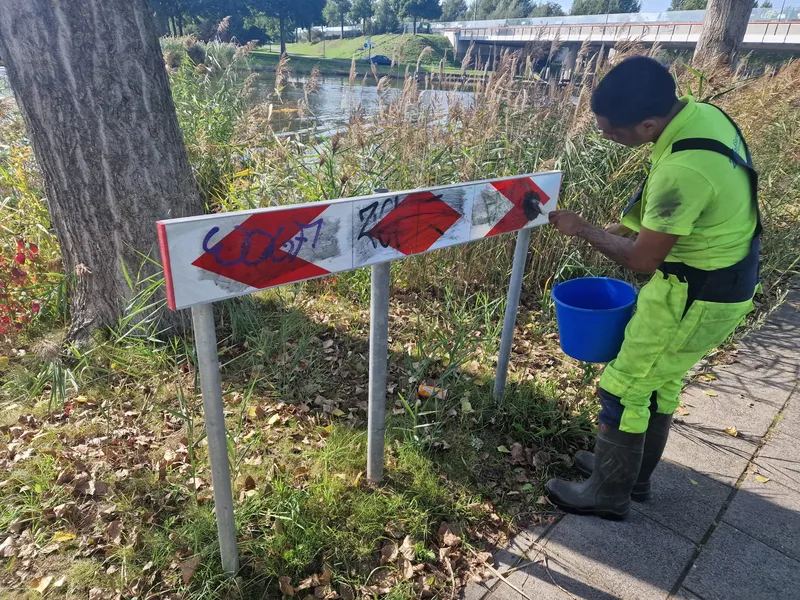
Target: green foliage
{"points": [[454, 10], [335, 12], [420, 9], [547, 9], [601, 7], [386, 17], [688, 5]]}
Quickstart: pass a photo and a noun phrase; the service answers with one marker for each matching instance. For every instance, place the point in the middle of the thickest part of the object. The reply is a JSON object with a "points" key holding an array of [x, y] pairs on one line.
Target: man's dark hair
{"points": [[636, 89]]}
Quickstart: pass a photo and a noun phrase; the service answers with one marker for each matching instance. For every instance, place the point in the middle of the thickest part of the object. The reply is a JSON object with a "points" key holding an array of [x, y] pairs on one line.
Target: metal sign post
{"points": [[214, 257], [510, 318], [378, 364], [205, 339]]}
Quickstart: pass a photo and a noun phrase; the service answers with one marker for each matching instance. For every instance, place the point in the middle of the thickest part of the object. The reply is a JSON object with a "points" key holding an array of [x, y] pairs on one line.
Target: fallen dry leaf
{"points": [[388, 552], [503, 449], [760, 478], [41, 584], [732, 431], [710, 393], [249, 483], [114, 532], [63, 536], [188, 567], [346, 592], [407, 548], [286, 586]]}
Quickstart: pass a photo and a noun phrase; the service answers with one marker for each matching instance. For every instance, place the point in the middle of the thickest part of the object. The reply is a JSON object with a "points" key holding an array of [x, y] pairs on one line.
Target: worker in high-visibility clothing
{"points": [[694, 223]]}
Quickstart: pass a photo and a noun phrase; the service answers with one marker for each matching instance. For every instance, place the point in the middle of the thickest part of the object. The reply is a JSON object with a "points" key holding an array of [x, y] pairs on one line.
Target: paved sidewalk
{"points": [[724, 520]]}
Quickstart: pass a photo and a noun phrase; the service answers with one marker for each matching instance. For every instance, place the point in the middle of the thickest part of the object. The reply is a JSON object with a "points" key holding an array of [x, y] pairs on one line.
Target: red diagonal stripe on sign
{"points": [[416, 223], [262, 251], [522, 193]]}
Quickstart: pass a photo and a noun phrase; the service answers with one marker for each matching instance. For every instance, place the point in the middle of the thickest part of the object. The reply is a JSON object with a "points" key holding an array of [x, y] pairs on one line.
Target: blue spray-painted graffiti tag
{"points": [[268, 242]]}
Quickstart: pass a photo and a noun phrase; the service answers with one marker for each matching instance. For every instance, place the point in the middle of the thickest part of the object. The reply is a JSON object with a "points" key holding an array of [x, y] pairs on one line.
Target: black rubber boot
{"points": [[654, 442], [607, 493]]}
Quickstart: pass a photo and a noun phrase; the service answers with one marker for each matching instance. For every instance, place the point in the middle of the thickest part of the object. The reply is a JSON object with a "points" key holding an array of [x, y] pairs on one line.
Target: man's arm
{"points": [[642, 255]]}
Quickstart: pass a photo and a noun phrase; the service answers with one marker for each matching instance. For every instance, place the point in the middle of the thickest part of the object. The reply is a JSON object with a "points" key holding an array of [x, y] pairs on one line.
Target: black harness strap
{"points": [[737, 282]]}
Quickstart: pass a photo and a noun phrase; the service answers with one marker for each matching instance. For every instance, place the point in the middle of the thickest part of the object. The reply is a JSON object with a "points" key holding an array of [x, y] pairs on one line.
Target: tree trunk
{"points": [[180, 24], [282, 26], [342, 36], [414, 27], [723, 31], [90, 81]]}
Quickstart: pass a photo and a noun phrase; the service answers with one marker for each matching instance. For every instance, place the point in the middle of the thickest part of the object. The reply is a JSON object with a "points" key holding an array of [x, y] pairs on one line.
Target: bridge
{"points": [[768, 29]]}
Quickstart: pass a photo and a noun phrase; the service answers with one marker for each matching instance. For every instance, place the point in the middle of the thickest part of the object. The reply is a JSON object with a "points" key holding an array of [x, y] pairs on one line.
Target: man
{"points": [[696, 227]]}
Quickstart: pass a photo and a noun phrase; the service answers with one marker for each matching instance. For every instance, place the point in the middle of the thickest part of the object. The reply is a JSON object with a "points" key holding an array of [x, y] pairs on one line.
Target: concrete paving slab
{"points": [[684, 500], [756, 379], [684, 594], [768, 512], [708, 451], [779, 459], [735, 566], [788, 423], [510, 556], [549, 578], [632, 559], [716, 412]]}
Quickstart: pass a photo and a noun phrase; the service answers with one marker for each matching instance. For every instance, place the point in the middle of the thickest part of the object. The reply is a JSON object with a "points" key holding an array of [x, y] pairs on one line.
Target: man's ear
{"points": [[648, 129]]}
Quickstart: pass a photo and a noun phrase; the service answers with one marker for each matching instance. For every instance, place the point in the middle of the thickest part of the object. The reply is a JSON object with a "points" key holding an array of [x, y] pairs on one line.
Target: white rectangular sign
{"points": [[218, 256]]}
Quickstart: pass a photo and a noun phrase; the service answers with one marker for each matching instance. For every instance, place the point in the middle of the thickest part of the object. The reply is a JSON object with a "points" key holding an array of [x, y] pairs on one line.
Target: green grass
{"points": [[405, 47]]}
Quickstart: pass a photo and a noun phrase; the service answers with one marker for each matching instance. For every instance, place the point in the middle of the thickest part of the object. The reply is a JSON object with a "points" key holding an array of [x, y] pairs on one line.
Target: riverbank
{"points": [[262, 59]]}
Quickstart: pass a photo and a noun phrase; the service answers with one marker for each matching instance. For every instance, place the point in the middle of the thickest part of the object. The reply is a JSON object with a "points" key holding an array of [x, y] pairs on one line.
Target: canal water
{"points": [[331, 105]]}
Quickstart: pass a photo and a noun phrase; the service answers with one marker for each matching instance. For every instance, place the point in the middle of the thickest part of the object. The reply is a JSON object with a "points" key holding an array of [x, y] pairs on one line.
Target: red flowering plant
{"points": [[28, 250], [18, 280]]}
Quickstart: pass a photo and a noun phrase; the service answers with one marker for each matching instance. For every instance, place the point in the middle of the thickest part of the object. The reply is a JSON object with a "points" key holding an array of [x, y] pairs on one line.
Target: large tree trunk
{"points": [[281, 26], [342, 36], [723, 30], [90, 80]]}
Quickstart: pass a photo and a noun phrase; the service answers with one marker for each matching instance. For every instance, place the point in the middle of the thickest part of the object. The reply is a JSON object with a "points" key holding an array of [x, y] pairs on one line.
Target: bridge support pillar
{"points": [[570, 61]]}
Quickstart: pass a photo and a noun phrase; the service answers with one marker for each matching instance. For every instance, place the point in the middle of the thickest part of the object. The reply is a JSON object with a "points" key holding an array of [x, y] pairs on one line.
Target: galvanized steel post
{"points": [[208, 362], [510, 319], [378, 359]]}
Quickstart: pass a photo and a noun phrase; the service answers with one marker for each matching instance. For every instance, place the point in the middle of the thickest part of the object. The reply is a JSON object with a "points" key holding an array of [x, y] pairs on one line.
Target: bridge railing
{"points": [[758, 15]]}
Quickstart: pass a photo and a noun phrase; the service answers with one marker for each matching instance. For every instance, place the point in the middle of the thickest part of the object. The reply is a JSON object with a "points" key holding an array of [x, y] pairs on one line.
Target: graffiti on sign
{"points": [[212, 257]]}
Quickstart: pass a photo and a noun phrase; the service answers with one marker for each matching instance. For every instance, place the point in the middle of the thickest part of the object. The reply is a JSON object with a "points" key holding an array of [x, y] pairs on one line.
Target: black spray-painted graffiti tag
{"points": [[249, 237]]}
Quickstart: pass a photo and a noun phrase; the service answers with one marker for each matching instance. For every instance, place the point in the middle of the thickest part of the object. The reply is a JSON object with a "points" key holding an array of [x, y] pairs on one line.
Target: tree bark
{"points": [[342, 36], [723, 31], [282, 26], [90, 81]]}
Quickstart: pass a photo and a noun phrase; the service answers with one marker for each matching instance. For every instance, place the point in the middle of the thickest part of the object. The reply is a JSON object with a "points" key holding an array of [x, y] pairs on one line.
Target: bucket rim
{"points": [[595, 310]]}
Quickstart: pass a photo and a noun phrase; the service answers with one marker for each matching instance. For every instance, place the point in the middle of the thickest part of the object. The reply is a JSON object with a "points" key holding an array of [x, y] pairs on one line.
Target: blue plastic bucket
{"points": [[592, 314]]}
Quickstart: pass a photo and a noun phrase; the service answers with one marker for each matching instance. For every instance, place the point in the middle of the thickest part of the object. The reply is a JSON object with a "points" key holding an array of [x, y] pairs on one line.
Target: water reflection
{"points": [[329, 108]]}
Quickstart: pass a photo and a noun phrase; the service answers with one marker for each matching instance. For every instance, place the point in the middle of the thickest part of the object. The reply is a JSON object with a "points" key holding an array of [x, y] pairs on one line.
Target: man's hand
{"points": [[567, 222], [643, 255]]}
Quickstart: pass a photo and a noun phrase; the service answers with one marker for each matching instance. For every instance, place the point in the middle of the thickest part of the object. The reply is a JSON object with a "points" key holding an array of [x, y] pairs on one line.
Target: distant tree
{"points": [[547, 9], [335, 11], [309, 13], [454, 10], [386, 19], [282, 11], [601, 7], [723, 30], [688, 5], [362, 10], [766, 4], [420, 9], [508, 9]]}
